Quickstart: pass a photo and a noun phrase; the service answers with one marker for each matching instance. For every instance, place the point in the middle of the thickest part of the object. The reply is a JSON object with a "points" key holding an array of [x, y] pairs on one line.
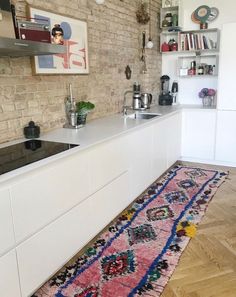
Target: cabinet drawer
{"points": [[106, 162], [9, 281], [48, 193], [6, 227], [53, 246]]}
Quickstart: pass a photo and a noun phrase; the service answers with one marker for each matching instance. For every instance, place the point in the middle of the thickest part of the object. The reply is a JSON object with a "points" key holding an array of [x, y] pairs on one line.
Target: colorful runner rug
{"points": [[138, 253]]}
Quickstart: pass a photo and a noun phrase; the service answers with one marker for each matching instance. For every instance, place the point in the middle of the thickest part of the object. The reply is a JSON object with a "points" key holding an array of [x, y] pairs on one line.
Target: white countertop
{"points": [[93, 133]]}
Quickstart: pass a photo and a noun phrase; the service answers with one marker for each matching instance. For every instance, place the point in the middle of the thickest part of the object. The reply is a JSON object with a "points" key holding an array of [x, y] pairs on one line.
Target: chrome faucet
{"points": [[125, 106]]}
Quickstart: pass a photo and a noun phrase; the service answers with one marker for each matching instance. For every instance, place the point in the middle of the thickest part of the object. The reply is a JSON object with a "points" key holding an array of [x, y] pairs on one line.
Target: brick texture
{"points": [[114, 39]]}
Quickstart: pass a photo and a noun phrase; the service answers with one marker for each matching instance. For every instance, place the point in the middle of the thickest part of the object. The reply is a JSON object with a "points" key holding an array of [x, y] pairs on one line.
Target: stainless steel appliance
{"points": [[136, 96], [146, 100], [165, 98]]}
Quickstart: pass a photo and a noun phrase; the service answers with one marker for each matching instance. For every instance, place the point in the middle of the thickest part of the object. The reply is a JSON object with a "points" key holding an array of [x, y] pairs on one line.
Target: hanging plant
{"points": [[142, 14]]}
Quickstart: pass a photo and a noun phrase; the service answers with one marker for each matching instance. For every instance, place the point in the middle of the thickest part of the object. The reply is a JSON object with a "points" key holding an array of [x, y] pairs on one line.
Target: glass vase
{"points": [[81, 119], [208, 101]]}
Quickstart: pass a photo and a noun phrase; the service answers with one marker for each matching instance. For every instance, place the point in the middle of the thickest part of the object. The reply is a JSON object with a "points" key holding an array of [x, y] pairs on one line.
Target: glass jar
{"points": [[200, 70], [174, 20], [165, 23], [168, 18]]}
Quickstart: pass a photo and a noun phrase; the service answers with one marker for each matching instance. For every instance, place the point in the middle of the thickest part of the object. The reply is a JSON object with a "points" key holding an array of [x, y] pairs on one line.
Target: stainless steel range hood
{"points": [[17, 48]]}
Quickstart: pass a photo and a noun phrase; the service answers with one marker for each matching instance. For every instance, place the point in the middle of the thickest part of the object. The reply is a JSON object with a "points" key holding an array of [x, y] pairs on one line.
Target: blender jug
{"points": [[165, 80]]}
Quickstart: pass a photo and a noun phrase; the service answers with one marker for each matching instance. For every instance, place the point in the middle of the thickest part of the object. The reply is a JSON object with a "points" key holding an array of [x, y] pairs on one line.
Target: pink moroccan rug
{"points": [[138, 253]]}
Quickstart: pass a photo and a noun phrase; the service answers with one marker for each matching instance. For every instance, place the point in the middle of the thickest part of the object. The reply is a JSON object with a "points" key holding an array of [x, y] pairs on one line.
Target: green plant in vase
{"points": [[82, 109]]}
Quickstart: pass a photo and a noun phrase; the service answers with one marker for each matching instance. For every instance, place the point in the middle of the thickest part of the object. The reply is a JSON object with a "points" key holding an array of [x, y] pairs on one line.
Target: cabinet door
{"points": [[198, 134], [44, 253], [140, 159], [9, 281], [226, 136], [173, 135], [107, 161], [159, 161], [47, 193], [227, 65], [6, 227]]}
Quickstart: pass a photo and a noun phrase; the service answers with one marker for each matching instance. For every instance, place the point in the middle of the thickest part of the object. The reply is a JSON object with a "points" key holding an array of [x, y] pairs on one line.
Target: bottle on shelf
{"points": [[192, 70]]}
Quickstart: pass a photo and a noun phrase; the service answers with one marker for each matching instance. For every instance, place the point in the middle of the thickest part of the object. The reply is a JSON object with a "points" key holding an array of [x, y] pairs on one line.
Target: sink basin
{"points": [[143, 116]]}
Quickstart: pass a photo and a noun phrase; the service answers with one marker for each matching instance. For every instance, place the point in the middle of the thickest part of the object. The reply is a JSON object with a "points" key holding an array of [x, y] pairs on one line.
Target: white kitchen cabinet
{"points": [[9, 281], [60, 240], [107, 161], [173, 138], [140, 160], [227, 65], [159, 159], [198, 134], [48, 192], [6, 226], [226, 137]]}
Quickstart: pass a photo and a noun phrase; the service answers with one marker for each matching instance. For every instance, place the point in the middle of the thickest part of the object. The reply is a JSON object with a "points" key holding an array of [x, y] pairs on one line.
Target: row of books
{"points": [[195, 41]]}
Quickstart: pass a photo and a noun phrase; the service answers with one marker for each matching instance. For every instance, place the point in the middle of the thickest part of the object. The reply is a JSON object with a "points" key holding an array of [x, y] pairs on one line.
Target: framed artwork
{"points": [[71, 33]]}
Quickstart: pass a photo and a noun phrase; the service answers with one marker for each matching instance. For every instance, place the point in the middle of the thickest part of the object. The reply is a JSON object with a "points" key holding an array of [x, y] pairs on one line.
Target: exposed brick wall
{"points": [[114, 39]]}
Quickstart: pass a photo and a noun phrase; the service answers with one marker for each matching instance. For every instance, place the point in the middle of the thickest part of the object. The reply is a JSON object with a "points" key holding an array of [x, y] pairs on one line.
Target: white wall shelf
{"points": [[206, 65], [200, 41]]}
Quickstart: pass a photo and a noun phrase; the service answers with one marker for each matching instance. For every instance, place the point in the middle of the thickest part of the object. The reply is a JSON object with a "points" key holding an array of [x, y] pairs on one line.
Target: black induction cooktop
{"points": [[30, 151]]}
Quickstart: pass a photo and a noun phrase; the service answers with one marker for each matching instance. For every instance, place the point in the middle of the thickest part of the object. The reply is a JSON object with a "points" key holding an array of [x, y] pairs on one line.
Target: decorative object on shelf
{"points": [[82, 109], [128, 72], [173, 45], [174, 20], [192, 69], [37, 30], [150, 43], [57, 33], [207, 96], [213, 15], [75, 60], [203, 15], [165, 47], [142, 15]]}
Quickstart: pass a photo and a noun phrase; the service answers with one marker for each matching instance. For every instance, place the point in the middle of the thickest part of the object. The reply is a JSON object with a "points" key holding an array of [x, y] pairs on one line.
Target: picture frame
{"points": [[74, 31]]}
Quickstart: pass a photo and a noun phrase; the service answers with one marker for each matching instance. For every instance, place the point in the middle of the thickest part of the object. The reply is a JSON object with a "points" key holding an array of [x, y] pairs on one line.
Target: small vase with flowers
{"points": [[207, 96]]}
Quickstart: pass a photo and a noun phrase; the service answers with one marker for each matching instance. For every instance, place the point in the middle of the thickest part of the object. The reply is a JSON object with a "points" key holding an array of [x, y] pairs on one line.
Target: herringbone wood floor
{"points": [[207, 267]]}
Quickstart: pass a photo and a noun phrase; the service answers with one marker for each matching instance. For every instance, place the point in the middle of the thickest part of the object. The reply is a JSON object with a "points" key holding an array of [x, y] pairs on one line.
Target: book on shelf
{"points": [[195, 41]]}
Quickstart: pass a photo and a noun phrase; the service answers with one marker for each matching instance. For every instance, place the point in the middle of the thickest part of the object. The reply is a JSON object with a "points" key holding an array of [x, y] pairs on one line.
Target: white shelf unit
{"points": [[173, 10], [201, 41], [206, 61]]}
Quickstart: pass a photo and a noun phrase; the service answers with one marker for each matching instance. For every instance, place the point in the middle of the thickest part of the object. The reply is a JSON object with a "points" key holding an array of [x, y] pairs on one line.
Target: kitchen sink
{"points": [[143, 116]]}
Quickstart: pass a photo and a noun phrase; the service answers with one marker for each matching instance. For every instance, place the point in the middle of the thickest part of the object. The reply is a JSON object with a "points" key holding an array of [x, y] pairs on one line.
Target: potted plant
{"points": [[82, 109]]}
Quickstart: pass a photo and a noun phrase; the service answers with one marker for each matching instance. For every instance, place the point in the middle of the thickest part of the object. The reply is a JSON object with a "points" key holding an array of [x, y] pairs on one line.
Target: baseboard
{"points": [[211, 162]]}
